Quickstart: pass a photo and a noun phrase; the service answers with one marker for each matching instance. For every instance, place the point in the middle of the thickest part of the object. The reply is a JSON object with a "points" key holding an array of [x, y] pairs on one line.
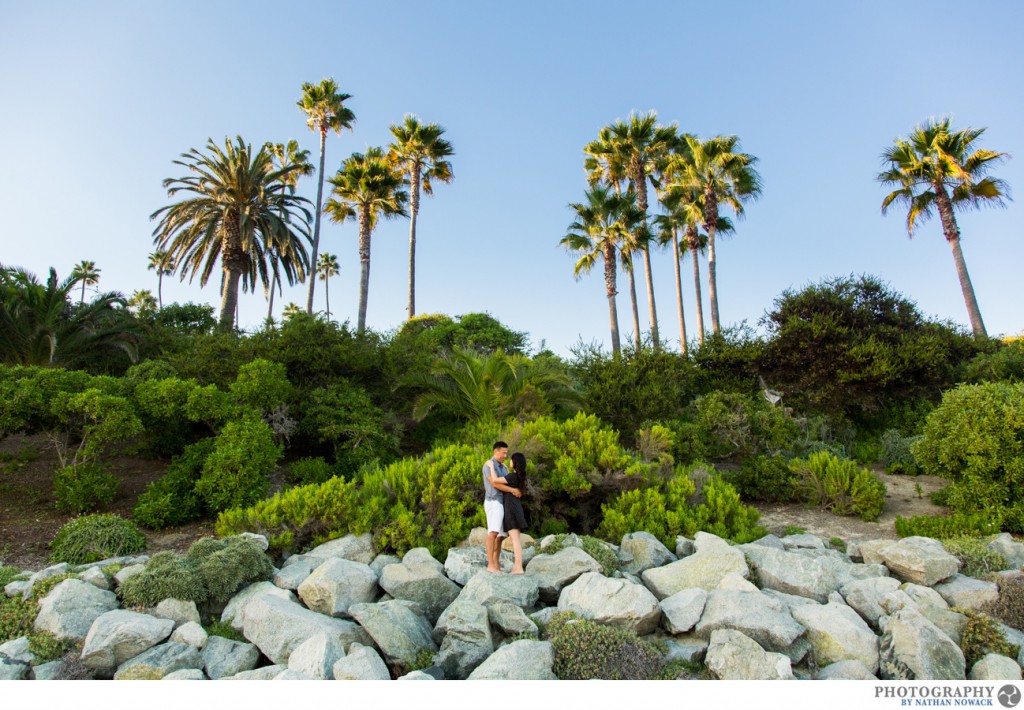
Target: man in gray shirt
{"points": [[494, 472]]}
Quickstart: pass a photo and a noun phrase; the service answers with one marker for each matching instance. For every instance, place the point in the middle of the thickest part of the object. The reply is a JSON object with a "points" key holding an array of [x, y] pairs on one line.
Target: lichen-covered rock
{"points": [[704, 569], [920, 560], [17, 650], [223, 657], [995, 667], [291, 576], [613, 602], [790, 572], [681, 611], [468, 641], [519, 660], [12, 670], [234, 611], [95, 577], [865, 596], [278, 627], [766, 620], [837, 633], [734, 582], [361, 663], [1010, 549], [119, 635], [641, 550], [733, 656], [178, 611], [420, 578], [397, 628], [316, 656], [967, 592], [553, 572], [510, 619], [163, 659], [192, 634], [69, 610], [913, 648], [336, 585]]}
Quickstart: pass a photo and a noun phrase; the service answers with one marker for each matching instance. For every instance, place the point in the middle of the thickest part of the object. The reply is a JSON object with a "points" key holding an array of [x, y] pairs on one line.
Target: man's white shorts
{"points": [[495, 512]]}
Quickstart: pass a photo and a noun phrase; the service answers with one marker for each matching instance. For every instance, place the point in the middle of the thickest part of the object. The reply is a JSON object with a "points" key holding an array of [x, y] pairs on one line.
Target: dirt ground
{"points": [[29, 521]]}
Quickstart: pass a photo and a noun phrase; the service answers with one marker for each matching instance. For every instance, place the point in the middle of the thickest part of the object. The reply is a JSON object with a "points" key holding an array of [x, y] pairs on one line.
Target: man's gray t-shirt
{"points": [[490, 493]]}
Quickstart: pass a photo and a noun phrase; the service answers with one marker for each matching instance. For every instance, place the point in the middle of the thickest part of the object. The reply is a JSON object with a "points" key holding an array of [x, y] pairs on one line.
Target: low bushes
{"points": [[976, 560], [83, 487], [1009, 607], [839, 485], [942, 528], [172, 499], [896, 453], [96, 537], [766, 478], [235, 473], [586, 650], [981, 636]]}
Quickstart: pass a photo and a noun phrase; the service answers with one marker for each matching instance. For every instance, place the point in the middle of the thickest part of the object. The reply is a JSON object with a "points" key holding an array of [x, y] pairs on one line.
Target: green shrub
{"points": [[216, 627], [16, 617], [598, 549], [343, 417], [90, 423], [310, 470], [46, 647], [731, 425], [1004, 364], [941, 528], [237, 563], [8, 575], [837, 543], [167, 576], [262, 385], [172, 499], [981, 636], [793, 530], [839, 485], [765, 478], [1009, 607], [584, 650], [92, 538], [975, 438], [85, 487], [976, 560], [236, 471], [897, 455]]}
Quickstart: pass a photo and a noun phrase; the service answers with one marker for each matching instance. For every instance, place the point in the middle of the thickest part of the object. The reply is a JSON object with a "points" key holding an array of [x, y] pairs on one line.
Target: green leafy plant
{"points": [[167, 576], [225, 566], [837, 543], [839, 485], [942, 528], [976, 560], [765, 478], [586, 650], [236, 472], [897, 453], [92, 538], [793, 530], [262, 385], [310, 470], [172, 498], [46, 647], [16, 617], [224, 629], [981, 635], [1009, 606], [8, 575]]}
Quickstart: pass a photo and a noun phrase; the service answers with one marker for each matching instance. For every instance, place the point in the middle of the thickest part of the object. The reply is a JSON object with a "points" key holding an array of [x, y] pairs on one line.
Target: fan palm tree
{"points": [[237, 209], [324, 106], [292, 309], [163, 264], [641, 146], [421, 154], [716, 168], [366, 188], [939, 169], [142, 301], [86, 273], [603, 224], [286, 154], [669, 225], [326, 267]]}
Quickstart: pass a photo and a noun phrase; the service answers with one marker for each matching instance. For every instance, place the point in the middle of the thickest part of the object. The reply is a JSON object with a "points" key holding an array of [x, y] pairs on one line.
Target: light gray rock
{"points": [[790, 572], [766, 620], [614, 602], [846, 670], [804, 541], [862, 571], [47, 671], [687, 648], [291, 576], [336, 585], [223, 657], [949, 622], [17, 650], [420, 578], [396, 628], [734, 656], [684, 547], [543, 616], [520, 589], [790, 600], [51, 571], [164, 658], [18, 587], [234, 611], [967, 592], [357, 548], [837, 633], [264, 673], [315, 657], [361, 663], [12, 670], [416, 675], [71, 607], [381, 561], [519, 660], [289, 674], [920, 560], [119, 635], [1013, 551], [995, 667], [277, 627], [468, 641], [705, 568], [734, 582], [126, 573], [554, 572], [773, 541], [178, 611], [681, 611], [186, 674], [865, 596], [924, 596], [463, 563], [641, 550], [96, 578], [913, 648], [191, 633], [260, 540], [510, 619], [796, 652]]}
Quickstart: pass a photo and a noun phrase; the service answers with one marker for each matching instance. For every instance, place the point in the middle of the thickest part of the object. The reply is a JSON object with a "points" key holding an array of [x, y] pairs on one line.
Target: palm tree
{"points": [[641, 145], [669, 226], [936, 167], [326, 267], [325, 111], [238, 209], [602, 225], [420, 153], [367, 187], [292, 309], [163, 264], [87, 273], [142, 301], [286, 154], [716, 168]]}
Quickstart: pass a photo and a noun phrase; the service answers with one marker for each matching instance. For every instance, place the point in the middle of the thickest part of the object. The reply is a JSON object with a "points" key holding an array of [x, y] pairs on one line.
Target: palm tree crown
{"points": [[238, 208], [939, 169], [326, 267], [163, 264], [285, 154], [86, 273]]}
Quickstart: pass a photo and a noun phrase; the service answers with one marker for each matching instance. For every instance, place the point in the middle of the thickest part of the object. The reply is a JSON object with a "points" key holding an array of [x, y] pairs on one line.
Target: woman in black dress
{"points": [[515, 516]]}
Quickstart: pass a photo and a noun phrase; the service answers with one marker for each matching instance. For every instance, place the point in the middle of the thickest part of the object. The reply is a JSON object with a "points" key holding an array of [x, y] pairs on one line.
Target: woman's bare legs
{"points": [[517, 551]]}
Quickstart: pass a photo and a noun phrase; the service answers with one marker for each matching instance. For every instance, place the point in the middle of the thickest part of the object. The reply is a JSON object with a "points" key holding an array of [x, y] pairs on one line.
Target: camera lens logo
{"points": [[1009, 696]]}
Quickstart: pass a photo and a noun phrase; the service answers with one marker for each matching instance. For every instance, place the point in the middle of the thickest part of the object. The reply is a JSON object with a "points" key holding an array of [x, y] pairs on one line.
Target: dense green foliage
{"points": [[896, 453], [172, 499], [944, 527], [92, 538], [235, 473], [839, 485], [976, 560], [766, 478], [586, 650], [981, 636], [1009, 606]]}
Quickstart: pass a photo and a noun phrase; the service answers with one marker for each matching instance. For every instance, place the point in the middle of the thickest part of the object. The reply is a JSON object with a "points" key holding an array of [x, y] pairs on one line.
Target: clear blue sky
{"points": [[99, 98]]}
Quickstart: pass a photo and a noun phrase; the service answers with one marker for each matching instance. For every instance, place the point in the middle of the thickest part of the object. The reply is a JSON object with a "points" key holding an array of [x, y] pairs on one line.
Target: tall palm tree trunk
{"points": [[414, 208], [710, 222], [273, 283], [233, 261], [160, 286], [636, 312], [82, 300], [316, 223], [952, 233], [609, 283], [692, 238], [327, 295], [641, 202], [364, 266], [679, 291]]}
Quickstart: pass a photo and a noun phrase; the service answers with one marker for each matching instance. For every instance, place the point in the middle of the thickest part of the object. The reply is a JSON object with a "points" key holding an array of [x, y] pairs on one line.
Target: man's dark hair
{"points": [[500, 445]]}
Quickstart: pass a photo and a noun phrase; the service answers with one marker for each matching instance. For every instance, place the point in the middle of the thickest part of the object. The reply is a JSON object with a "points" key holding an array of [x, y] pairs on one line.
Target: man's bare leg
{"points": [[492, 552]]}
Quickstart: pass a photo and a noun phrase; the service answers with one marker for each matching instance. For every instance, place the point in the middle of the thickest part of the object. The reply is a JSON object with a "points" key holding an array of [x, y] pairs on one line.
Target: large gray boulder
{"points": [[336, 585], [1010, 549], [967, 592], [681, 611], [995, 667], [421, 579], [766, 620], [640, 551], [163, 659], [397, 627], [264, 673], [519, 660], [913, 648], [510, 619], [95, 577], [186, 674], [866, 596], [846, 670], [225, 657], [468, 641], [358, 548], [613, 602], [383, 560], [71, 607], [17, 650], [120, 635], [13, 670], [463, 563], [836, 633], [178, 611], [553, 572], [790, 572], [278, 627], [191, 633], [486, 588], [920, 560], [733, 656], [291, 576], [234, 611], [315, 657], [361, 663], [706, 568]]}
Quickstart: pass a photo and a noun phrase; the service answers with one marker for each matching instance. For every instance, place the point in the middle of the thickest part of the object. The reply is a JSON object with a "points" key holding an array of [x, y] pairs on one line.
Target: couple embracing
{"points": [[503, 507]]}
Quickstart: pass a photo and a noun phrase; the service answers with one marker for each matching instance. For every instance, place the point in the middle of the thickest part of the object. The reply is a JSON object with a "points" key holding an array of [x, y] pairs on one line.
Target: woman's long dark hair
{"points": [[519, 466]]}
